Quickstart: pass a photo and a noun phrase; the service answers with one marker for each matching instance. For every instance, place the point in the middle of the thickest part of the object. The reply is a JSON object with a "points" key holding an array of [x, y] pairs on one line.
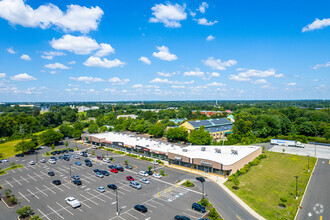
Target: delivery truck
{"points": [[287, 143]]}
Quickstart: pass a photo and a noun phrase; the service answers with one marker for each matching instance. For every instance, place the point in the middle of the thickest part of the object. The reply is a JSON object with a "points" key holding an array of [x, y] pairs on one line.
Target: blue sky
{"points": [[163, 50]]}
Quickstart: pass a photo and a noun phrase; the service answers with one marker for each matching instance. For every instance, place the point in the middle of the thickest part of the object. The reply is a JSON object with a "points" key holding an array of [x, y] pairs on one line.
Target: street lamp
{"points": [[202, 180], [296, 187], [70, 171], [308, 162], [37, 157], [117, 213]]}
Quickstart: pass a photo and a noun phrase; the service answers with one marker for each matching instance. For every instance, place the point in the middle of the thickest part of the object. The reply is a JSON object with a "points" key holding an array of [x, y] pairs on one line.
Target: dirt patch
{"points": [[5, 199]]}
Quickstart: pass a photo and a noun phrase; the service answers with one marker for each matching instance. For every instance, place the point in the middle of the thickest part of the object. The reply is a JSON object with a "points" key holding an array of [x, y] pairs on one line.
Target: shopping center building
{"points": [[222, 160]]}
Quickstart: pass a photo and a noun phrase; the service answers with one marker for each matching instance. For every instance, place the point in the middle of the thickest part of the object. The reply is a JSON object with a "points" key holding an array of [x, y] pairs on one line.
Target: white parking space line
{"points": [[86, 181], [131, 215], [86, 205], [49, 189], [24, 179], [96, 197], [32, 193], [8, 183], [125, 189], [66, 186], [90, 178], [31, 177], [41, 191], [104, 194], [191, 216], [89, 199], [58, 188], [158, 202], [12, 171], [24, 196], [150, 205], [43, 215], [39, 176], [63, 170], [55, 211], [64, 208], [25, 168], [139, 212], [17, 181]]}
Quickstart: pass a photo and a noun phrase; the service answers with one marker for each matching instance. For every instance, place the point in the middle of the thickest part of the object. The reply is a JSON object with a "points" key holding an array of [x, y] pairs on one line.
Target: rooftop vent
{"points": [[218, 150], [234, 152], [184, 150], [203, 149]]}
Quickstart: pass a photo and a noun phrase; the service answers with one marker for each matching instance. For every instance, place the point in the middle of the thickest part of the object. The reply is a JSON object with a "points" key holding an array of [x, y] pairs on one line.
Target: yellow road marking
{"points": [[321, 217], [238, 217]]}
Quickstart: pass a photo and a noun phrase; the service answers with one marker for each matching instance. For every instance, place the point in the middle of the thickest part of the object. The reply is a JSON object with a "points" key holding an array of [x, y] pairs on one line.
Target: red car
{"points": [[114, 170], [130, 178], [99, 157]]}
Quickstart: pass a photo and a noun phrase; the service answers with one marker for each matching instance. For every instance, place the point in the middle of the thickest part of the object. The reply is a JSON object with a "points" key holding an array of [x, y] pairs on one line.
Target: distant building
{"points": [[231, 118], [209, 113], [218, 127], [29, 106], [84, 108], [127, 116], [178, 120]]}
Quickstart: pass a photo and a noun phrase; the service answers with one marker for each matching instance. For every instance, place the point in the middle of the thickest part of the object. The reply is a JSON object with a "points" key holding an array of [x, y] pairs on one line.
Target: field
{"points": [[8, 149], [265, 184]]}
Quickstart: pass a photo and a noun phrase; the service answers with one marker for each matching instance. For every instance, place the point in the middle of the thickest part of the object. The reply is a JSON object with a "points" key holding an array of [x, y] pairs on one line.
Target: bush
{"points": [[132, 155], [35, 217], [188, 184], [13, 200], [25, 211], [204, 202], [283, 199], [7, 192], [162, 173]]}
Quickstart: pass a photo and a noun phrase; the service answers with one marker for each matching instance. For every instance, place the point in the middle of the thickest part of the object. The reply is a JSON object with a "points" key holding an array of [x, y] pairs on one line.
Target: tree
{"points": [[53, 146], [76, 133], [78, 126], [126, 162], [177, 134], [156, 130], [66, 130], [200, 136], [12, 164], [66, 143], [25, 145], [286, 126], [35, 217], [93, 128], [149, 168], [25, 211], [13, 200], [50, 136], [307, 128], [103, 129], [7, 192]]}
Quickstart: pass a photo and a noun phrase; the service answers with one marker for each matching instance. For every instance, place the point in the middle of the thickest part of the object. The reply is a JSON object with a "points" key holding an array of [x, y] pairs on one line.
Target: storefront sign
{"points": [[177, 158], [203, 163], [138, 147]]}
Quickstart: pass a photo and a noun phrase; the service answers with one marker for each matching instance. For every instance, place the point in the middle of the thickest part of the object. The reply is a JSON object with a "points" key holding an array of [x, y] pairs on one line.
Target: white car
{"points": [[154, 162], [157, 175], [144, 180], [42, 161], [52, 161], [100, 175], [32, 162], [135, 185], [88, 154], [106, 160], [80, 154], [143, 173], [73, 202], [101, 189], [5, 160], [93, 146]]}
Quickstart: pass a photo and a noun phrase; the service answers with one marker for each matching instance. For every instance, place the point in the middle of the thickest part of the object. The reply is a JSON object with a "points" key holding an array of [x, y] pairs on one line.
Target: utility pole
{"points": [[296, 187], [117, 213], [37, 157], [70, 171], [308, 162], [21, 130]]}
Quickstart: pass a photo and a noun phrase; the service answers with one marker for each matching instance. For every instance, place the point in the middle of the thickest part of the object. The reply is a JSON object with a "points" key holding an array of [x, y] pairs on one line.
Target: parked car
{"points": [[77, 182], [112, 186], [181, 217], [51, 161], [143, 173], [76, 157], [105, 173], [88, 160], [19, 155], [130, 178], [106, 160], [73, 202], [96, 170], [57, 182], [53, 153], [154, 162], [114, 170], [71, 150], [198, 207], [5, 160], [89, 164], [111, 166], [51, 173], [157, 175], [42, 161], [101, 189], [54, 158], [200, 179], [78, 163], [32, 162], [149, 173], [98, 174], [99, 158], [144, 180], [129, 167], [75, 177], [119, 168], [141, 208], [135, 185], [61, 157]]}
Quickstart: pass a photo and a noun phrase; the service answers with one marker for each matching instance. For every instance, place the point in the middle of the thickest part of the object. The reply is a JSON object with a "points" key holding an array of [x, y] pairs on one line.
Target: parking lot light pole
{"points": [[117, 213], [296, 187], [308, 162], [37, 157], [202, 180], [70, 171]]}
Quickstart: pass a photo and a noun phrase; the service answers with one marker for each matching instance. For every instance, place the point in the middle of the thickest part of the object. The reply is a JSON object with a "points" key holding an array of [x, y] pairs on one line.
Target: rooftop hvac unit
{"points": [[203, 149], [218, 150], [234, 152], [172, 145], [184, 150], [147, 145]]}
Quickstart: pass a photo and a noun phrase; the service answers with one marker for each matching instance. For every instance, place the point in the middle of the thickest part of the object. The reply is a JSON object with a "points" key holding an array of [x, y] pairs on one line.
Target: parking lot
{"points": [[163, 197]]}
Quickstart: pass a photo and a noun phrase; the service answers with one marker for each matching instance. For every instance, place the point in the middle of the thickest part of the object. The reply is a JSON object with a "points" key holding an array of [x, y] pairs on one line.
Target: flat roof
{"points": [[227, 156]]}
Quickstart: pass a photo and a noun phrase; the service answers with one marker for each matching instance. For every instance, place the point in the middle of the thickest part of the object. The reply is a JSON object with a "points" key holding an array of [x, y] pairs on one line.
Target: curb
{"points": [[317, 159]]}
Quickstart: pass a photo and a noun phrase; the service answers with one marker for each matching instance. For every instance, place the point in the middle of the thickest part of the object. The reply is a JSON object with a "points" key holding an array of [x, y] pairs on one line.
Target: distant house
{"points": [[127, 116], [218, 127], [231, 118], [178, 120], [84, 108]]}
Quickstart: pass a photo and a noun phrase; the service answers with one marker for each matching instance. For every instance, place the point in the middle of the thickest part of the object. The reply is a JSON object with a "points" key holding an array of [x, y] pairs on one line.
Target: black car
{"points": [[19, 155], [61, 157], [87, 160], [149, 173], [57, 182], [96, 170], [66, 158], [181, 217], [89, 164], [105, 173], [198, 207], [129, 167], [53, 153], [112, 186], [121, 169], [112, 166], [200, 179], [141, 208], [58, 152], [77, 182], [31, 150], [54, 158], [26, 153], [51, 173], [71, 150]]}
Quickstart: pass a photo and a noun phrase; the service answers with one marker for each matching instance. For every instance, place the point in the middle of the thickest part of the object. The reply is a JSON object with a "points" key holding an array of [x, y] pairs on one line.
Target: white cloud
{"points": [[164, 54], [214, 74], [215, 84], [56, 66], [202, 7], [152, 86], [321, 65], [105, 49], [192, 14], [178, 87], [238, 78], [26, 57], [291, 84], [124, 91], [137, 86], [112, 90], [22, 77], [2, 75], [118, 81], [210, 37], [72, 62], [86, 79], [170, 15], [260, 81], [246, 75], [167, 74], [76, 18], [105, 63], [159, 80], [81, 45], [52, 72], [196, 73], [51, 54], [11, 50], [317, 24], [145, 60], [204, 21], [217, 64], [279, 75], [315, 80]]}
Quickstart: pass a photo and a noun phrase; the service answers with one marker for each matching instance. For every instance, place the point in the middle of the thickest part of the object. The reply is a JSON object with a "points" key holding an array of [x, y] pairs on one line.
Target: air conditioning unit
{"points": [[218, 150], [184, 150], [234, 152], [203, 149]]}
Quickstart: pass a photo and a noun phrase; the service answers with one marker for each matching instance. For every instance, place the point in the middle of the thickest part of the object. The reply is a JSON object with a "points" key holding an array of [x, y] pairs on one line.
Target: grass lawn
{"points": [[3, 172], [8, 149], [263, 186]]}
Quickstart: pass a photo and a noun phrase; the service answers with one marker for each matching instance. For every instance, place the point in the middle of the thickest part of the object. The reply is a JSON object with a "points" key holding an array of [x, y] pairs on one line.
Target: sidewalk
{"points": [[220, 181]]}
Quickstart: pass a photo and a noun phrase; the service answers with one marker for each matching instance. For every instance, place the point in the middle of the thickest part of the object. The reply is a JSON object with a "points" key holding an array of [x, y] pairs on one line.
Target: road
{"points": [[316, 202]]}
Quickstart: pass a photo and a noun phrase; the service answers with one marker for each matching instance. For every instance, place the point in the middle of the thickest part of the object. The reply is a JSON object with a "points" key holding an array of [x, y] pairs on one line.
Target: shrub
{"points": [[213, 213], [35, 217], [25, 211], [7, 192], [283, 199], [188, 184], [13, 200], [236, 182], [204, 202], [162, 173], [126, 162]]}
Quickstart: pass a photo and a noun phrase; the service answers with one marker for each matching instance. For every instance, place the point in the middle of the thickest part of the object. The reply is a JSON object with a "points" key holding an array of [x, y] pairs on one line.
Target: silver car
{"points": [[144, 180], [135, 185]]}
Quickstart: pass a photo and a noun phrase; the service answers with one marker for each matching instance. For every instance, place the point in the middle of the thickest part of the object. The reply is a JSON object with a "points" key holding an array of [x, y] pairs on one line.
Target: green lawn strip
{"points": [[3, 172], [265, 184], [188, 184], [8, 149], [212, 214], [49, 152]]}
